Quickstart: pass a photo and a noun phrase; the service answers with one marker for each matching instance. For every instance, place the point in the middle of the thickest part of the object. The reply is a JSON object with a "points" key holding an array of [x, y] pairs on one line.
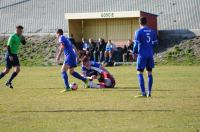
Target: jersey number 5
{"points": [[148, 39]]}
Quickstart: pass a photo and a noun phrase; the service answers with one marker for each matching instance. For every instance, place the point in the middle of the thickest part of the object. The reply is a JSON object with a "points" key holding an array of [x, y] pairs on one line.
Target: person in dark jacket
{"points": [[100, 50], [128, 50], [92, 48]]}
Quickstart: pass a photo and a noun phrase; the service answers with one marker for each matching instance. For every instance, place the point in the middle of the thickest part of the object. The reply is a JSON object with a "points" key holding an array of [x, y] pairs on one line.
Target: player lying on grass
{"points": [[93, 70], [13, 46], [70, 60]]}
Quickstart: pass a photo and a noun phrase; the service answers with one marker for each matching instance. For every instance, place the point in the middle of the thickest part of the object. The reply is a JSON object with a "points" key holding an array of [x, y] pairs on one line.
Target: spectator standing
{"points": [[92, 47], [100, 50]]}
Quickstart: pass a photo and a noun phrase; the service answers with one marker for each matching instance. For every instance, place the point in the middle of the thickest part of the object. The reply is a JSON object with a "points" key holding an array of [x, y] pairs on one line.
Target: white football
{"points": [[74, 86]]}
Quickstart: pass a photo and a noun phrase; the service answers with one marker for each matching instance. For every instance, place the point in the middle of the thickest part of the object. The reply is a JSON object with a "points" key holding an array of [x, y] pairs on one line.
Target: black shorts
{"points": [[10, 64]]}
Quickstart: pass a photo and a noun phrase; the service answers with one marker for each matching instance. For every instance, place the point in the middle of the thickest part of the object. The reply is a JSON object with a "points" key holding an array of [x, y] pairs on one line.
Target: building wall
{"points": [[119, 30], [152, 20], [94, 29], [75, 28], [44, 16], [173, 14]]}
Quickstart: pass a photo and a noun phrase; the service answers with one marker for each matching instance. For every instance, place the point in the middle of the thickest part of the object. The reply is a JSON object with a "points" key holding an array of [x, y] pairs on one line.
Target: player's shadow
{"points": [[39, 88], [121, 89], [49, 88], [83, 111], [125, 87], [101, 89], [136, 89]]}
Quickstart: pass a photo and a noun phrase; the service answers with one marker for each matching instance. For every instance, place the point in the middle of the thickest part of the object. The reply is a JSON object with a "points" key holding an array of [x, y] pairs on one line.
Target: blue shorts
{"points": [[143, 63], [109, 50], [70, 61], [10, 64]]}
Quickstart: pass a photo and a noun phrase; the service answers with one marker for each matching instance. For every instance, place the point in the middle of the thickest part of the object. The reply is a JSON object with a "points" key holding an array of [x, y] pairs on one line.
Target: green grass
{"points": [[36, 104]]}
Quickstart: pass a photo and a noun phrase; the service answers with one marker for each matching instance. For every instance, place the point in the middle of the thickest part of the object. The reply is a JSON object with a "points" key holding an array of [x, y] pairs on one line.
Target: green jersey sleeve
{"points": [[10, 41]]}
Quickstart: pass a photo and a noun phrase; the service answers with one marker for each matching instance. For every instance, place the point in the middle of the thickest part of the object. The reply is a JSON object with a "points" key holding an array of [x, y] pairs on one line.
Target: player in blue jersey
{"points": [[93, 71], [70, 60], [145, 39]]}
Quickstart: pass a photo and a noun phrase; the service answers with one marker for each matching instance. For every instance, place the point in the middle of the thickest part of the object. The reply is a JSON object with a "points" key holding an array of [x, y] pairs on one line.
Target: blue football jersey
{"points": [[90, 72], [68, 48], [145, 39]]}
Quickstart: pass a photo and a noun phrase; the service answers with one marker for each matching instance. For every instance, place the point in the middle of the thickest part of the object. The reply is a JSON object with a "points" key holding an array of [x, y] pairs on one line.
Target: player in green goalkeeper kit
{"points": [[11, 59]]}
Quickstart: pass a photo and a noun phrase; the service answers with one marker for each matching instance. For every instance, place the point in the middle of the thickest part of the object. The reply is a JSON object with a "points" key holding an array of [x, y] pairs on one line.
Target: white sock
{"points": [[93, 85]]}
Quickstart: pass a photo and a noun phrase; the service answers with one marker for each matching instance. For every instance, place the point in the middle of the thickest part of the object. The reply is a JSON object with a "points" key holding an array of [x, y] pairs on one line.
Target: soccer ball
{"points": [[74, 86]]}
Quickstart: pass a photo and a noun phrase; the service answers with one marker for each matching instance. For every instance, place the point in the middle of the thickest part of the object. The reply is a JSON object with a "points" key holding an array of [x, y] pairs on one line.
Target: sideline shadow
{"points": [[83, 111], [122, 89]]}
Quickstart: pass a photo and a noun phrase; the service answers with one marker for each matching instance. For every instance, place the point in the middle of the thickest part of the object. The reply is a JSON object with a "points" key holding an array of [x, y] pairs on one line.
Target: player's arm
{"points": [[75, 49], [60, 51], [10, 53], [83, 73], [9, 45], [9, 50], [155, 39], [85, 76], [135, 48], [23, 40], [136, 43]]}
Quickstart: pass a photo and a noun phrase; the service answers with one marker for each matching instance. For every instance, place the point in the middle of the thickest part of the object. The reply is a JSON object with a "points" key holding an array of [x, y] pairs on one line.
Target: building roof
{"points": [[42, 16], [102, 15]]}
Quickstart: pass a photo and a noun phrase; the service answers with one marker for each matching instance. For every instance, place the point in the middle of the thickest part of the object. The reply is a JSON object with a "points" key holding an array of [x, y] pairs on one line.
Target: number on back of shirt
{"points": [[148, 37]]}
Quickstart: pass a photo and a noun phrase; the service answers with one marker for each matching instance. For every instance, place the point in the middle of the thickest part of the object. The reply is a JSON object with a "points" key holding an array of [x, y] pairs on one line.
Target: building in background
{"points": [[45, 16], [117, 26]]}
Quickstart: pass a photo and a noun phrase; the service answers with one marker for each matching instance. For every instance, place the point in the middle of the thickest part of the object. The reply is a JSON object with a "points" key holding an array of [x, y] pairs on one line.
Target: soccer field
{"points": [[35, 104]]}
